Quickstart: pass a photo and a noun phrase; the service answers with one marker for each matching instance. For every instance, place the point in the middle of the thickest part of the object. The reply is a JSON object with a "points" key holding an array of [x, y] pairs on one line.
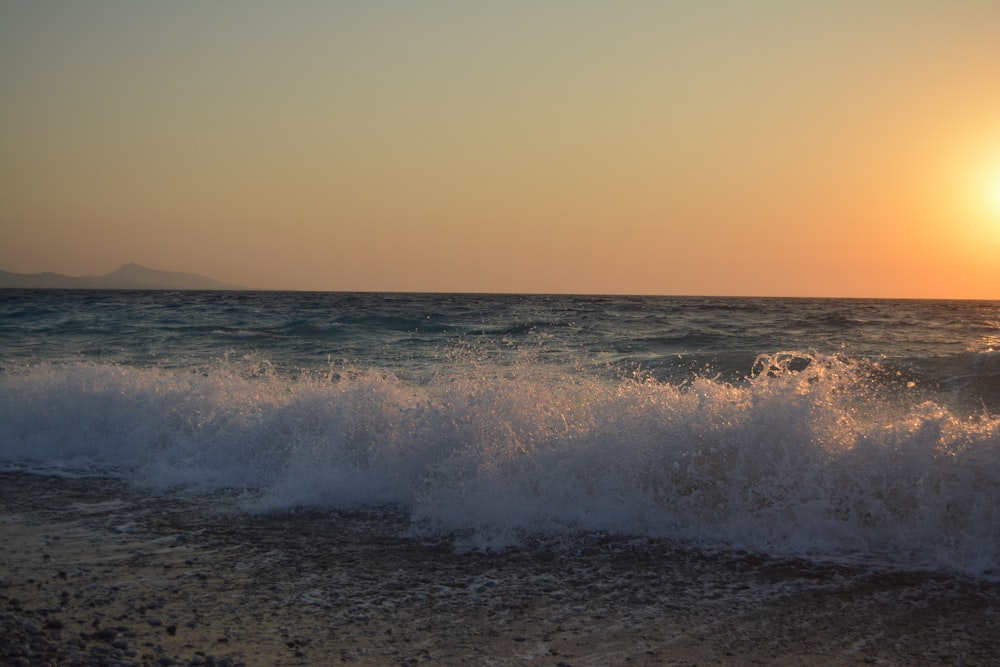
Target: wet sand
{"points": [[93, 573]]}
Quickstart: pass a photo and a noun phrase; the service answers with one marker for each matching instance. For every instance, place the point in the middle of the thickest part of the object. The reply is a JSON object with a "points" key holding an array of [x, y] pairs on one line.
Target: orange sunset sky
{"points": [[837, 148]]}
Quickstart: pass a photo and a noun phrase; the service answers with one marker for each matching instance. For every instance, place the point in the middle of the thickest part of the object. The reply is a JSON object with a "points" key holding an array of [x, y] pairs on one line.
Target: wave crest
{"points": [[812, 455]]}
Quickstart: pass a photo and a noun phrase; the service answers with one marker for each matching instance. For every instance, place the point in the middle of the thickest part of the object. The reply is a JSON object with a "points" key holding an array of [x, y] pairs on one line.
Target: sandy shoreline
{"points": [[94, 573]]}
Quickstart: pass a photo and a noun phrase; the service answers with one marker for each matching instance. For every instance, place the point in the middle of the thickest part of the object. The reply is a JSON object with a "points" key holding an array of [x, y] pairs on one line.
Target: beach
{"points": [[97, 573]]}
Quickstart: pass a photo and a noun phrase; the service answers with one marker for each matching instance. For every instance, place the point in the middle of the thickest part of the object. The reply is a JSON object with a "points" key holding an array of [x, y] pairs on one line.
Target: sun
{"points": [[962, 202], [992, 192], [980, 189]]}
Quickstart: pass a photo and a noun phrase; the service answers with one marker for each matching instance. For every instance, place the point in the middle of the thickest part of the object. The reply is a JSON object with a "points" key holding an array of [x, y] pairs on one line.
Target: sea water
{"points": [[838, 430]]}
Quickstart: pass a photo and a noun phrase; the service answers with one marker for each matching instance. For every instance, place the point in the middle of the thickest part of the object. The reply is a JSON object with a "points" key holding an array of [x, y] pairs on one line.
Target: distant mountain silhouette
{"points": [[127, 276]]}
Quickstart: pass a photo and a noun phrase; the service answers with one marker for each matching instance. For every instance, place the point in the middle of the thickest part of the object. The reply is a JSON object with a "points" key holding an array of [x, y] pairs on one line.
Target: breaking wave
{"points": [[811, 455]]}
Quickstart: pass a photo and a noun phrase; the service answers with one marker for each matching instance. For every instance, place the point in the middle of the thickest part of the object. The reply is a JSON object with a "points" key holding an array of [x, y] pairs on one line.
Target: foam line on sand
{"points": [[92, 572]]}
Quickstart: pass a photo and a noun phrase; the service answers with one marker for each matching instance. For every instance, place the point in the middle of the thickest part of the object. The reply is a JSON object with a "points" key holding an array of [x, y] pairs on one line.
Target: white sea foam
{"points": [[813, 460]]}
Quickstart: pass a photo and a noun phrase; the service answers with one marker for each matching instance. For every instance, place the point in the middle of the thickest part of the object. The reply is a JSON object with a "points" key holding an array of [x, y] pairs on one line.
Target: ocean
{"points": [[855, 438]]}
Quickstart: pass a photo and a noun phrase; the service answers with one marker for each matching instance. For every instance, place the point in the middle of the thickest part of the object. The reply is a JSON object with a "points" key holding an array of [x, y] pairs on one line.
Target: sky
{"points": [[846, 148]]}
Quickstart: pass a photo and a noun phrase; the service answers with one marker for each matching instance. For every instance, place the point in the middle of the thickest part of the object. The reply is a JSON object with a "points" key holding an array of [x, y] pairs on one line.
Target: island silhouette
{"points": [[127, 276]]}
